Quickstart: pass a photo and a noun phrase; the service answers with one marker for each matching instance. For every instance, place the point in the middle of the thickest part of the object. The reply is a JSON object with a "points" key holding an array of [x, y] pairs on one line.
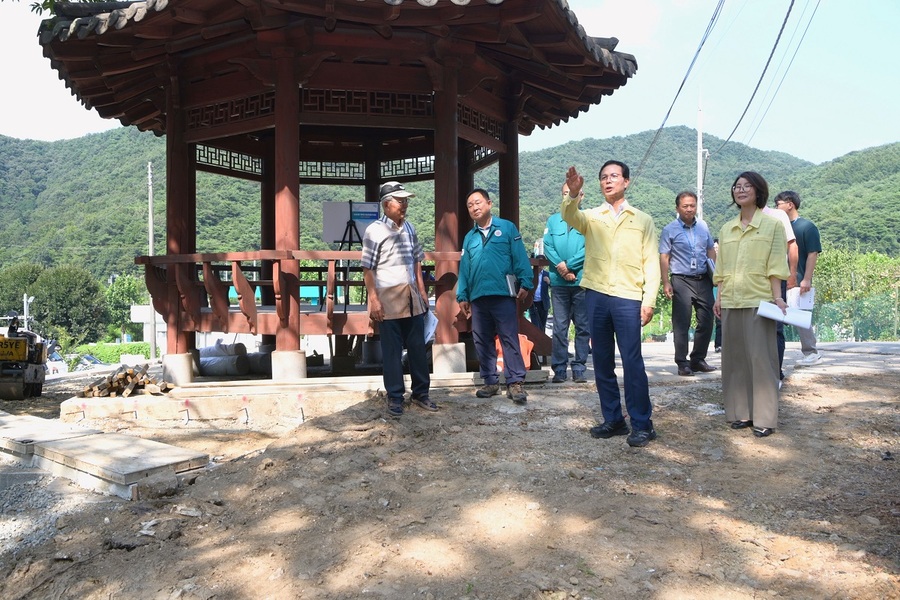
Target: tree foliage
{"points": [[70, 299], [15, 283], [120, 295]]}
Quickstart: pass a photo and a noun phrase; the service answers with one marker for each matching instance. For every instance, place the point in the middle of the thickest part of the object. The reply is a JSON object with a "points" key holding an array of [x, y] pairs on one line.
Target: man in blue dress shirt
{"points": [[684, 246]]}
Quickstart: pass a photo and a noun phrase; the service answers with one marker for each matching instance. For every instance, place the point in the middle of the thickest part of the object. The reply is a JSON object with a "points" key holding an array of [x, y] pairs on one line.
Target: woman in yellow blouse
{"points": [[752, 261]]}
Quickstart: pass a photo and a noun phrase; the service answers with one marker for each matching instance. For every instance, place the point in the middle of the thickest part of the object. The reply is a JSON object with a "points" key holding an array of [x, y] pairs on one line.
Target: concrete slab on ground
{"points": [[20, 433], [106, 462]]}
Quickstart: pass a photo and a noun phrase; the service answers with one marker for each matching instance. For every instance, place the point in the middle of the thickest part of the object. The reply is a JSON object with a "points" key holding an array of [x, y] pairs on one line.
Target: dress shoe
{"points": [[741, 424], [641, 437], [607, 430], [685, 371], [702, 367]]}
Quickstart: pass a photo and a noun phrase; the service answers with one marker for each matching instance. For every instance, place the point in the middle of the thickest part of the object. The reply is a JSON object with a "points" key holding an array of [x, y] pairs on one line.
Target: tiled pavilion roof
{"points": [[117, 57]]}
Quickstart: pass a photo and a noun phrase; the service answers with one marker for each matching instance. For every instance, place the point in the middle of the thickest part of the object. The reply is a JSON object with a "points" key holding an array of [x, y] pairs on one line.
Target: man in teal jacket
{"points": [[494, 276], [564, 248]]}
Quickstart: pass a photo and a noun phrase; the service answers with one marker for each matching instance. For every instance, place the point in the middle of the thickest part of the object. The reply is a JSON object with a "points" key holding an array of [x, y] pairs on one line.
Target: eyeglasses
{"points": [[401, 200], [611, 177], [742, 188]]}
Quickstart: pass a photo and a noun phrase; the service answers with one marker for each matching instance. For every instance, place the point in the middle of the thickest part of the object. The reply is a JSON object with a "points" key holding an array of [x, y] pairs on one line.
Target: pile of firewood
{"points": [[124, 382]]}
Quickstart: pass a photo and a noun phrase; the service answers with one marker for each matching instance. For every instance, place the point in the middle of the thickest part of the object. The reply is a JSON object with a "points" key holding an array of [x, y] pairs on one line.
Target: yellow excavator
{"points": [[23, 358]]}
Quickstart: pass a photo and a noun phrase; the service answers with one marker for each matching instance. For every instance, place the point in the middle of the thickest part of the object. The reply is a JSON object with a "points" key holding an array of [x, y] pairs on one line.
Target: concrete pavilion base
{"points": [[448, 358], [256, 403], [288, 365]]}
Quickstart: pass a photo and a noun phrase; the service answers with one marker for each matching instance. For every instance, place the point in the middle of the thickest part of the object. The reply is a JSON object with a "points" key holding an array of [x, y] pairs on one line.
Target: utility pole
{"points": [[701, 156], [150, 253]]}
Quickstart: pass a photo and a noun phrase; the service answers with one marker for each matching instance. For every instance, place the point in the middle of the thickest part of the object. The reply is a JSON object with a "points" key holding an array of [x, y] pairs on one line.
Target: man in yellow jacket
{"points": [[621, 279]]}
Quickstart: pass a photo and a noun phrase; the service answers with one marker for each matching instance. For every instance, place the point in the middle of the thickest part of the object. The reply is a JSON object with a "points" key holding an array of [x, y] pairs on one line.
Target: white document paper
{"points": [[803, 301], [431, 324], [795, 316]]}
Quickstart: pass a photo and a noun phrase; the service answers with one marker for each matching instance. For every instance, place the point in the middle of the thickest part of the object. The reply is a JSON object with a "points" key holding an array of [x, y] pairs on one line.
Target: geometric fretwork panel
{"points": [[407, 167], [479, 121], [332, 170], [231, 111], [228, 160], [349, 102], [480, 153]]}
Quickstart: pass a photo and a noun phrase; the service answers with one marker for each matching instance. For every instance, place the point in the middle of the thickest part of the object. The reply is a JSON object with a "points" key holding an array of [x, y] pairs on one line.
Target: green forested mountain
{"points": [[84, 201]]}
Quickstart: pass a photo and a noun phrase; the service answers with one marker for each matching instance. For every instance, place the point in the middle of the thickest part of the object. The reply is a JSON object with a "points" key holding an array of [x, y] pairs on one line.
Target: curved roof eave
{"points": [[83, 20]]}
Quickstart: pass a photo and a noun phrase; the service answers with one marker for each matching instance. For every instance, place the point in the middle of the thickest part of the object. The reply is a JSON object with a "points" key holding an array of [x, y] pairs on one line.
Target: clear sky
{"points": [[840, 94]]}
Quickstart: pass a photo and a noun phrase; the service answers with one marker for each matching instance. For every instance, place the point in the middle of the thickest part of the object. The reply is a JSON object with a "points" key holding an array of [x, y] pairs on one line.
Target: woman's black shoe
{"points": [[763, 431]]}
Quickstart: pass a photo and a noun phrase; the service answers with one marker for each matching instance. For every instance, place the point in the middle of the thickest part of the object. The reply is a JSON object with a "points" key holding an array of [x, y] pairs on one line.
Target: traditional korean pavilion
{"points": [[346, 92]]}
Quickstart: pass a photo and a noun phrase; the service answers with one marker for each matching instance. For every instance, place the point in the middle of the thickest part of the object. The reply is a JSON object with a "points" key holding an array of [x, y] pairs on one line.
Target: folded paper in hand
{"points": [[805, 300], [795, 316], [431, 324], [512, 285]]}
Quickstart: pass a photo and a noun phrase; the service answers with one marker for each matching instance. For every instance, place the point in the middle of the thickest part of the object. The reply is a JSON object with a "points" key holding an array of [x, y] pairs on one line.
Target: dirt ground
{"points": [[487, 500]]}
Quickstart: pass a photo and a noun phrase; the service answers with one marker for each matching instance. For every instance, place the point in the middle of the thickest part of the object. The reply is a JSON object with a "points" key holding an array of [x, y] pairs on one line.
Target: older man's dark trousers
{"points": [[691, 294], [395, 334]]}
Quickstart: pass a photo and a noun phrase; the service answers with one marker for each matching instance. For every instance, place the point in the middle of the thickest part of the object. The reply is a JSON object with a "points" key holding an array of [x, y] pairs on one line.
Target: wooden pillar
{"points": [[509, 175], [267, 223], [466, 179], [372, 149], [181, 215], [446, 199], [287, 191]]}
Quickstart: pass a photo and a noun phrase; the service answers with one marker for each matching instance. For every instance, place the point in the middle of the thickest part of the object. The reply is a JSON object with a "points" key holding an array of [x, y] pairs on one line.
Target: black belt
{"points": [[689, 276]]}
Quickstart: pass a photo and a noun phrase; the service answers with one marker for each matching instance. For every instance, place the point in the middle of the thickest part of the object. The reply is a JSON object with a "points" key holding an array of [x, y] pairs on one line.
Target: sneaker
{"points": [[424, 402], [641, 437], [559, 377], [395, 408], [607, 430], [810, 359], [516, 393], [488, 390], [578, 377]]}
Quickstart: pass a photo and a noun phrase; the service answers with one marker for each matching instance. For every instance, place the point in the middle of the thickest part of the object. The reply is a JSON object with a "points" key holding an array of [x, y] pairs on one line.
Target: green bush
{"points": [[111, 353]]}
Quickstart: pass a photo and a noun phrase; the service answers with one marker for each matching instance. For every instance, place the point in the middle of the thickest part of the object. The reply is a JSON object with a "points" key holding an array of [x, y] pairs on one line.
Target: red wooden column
{"points": [[509, 175], [267, 224], [287, 192], [446, 200], [181, 216]]}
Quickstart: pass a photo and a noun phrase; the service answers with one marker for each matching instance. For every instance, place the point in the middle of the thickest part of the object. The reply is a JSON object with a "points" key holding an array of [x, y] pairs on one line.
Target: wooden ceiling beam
{"points": [[191, 16], [239, 84], [342, 76]]}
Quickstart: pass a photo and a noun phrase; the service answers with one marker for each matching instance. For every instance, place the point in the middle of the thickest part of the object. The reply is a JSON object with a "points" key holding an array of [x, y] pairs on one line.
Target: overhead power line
{"points": [[762, 75], [784, 75], [712, 23]]}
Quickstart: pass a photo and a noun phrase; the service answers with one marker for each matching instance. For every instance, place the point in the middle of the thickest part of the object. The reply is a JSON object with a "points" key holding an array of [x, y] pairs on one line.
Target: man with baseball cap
{"points": [[392, 268]]}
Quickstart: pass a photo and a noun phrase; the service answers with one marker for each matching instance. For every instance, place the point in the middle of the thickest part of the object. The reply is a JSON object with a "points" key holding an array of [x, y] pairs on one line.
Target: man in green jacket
{"points": [[494, 276], [564, 248]]}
